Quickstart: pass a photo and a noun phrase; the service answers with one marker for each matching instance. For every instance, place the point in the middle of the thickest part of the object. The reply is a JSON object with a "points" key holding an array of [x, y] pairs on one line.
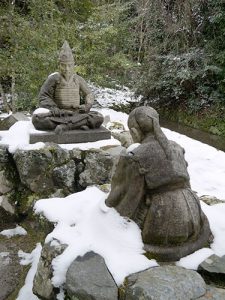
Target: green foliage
{"points": [[31, 42], [183, 54], [173, 52], [100, 54], [34, 31], [181, 80]]}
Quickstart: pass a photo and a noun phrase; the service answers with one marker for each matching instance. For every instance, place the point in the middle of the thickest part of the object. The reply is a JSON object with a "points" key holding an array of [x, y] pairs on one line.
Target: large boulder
{"points": [[36, 167], [99, 166], [89, 279], [165, 283]]}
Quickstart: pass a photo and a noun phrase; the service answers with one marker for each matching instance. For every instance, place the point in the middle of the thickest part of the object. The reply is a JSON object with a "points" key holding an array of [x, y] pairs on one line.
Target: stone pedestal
{"points": [[72, 136]]}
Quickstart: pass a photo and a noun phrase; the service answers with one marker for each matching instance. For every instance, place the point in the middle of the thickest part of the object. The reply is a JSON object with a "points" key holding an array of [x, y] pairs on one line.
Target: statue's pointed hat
{"points": [[66, 54]]}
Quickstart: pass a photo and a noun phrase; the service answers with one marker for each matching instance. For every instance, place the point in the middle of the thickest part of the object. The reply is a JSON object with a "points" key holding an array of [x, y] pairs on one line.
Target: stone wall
{"points": [[28, 175]]}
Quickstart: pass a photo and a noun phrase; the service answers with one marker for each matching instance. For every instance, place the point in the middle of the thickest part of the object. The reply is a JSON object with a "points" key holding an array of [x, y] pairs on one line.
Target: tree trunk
{"points": [[5, 104], [13, 95]]}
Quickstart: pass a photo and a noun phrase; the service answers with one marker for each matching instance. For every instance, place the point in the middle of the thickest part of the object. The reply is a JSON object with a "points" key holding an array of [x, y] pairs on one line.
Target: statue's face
{"points": [[66, 69], [140, 128], [136, 134]]}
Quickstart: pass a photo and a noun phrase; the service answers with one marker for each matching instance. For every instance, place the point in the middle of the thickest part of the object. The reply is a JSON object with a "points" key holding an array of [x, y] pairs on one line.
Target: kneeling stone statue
{"points": [[60, 96], [151, 186]]}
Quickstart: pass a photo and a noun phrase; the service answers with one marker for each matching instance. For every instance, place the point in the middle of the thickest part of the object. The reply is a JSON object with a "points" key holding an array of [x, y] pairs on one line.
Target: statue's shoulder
{"points": [[78, 78], [50, 82], [54, 76], [147, 149]]}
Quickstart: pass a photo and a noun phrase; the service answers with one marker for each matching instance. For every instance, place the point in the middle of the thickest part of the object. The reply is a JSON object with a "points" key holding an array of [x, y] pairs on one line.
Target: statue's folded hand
{"points": [[55, 111]]}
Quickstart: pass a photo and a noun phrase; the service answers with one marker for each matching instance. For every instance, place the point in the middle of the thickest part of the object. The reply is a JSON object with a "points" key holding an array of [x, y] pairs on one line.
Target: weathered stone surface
{"points": [[5, 184], [72, 136], [4, 155], [36, 167], [8, 173], [42, 286], [89, 279], [76, 154], [213, 270], [6, 205], [99, 166], [213, 293], [165, 283], [10, 271], [6, 123], [63, 176]]}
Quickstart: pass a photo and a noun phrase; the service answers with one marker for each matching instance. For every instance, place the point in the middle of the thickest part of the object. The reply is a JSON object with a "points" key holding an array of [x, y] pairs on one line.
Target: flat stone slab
{"points": [[71, 137]]}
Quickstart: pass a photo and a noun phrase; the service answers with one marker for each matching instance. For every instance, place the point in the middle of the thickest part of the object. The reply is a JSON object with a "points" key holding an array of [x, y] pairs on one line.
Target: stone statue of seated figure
{"points": [[60, 95], [151, 186]]}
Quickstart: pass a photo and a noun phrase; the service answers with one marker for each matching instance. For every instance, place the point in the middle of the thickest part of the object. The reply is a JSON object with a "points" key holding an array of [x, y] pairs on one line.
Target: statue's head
{"points": [[66, 61], [142, 121]]}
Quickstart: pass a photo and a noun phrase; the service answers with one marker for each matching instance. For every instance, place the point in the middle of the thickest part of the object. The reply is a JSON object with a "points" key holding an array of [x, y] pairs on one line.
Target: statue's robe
{"points": [[154, 191]]}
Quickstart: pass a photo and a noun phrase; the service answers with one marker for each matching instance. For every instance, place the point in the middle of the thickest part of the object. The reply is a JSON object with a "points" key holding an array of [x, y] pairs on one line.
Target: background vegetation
{"points": [[170, 51]]}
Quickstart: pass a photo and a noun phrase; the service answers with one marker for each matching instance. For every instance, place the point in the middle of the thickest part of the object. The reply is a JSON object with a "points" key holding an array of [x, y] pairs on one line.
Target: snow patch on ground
{"points": [[206, 165], [84, 226], [193, 260], [29, 258], [83, 223], [107, 97], [15, 231]]}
